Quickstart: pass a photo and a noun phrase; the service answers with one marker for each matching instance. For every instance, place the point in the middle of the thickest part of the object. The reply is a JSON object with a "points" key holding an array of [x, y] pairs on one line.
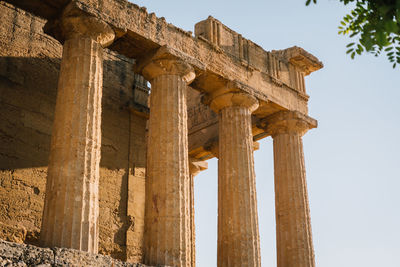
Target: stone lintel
{"points": [[299, 57]]}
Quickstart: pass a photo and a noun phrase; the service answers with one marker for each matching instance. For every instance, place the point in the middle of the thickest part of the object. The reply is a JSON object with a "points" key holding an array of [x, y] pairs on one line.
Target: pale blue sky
{"points": [[352, 158]]}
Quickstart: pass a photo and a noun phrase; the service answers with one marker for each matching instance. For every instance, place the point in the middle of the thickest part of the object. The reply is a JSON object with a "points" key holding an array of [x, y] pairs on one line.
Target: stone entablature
{"points": [[277, 64], [138, 33], [276, 78]]}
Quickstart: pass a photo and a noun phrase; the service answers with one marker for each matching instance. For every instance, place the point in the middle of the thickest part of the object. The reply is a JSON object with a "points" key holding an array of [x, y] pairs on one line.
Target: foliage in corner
{"points": [[376, 26]]}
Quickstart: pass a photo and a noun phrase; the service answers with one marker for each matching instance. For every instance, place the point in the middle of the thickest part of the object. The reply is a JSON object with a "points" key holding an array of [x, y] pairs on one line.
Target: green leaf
{"points": [[391, 26], [367, 42], [353, 55], [350, 44], [383, 9], [380, 38], [353, 34], [388, 48], [349, 51], [343, 23], [309, 1]]}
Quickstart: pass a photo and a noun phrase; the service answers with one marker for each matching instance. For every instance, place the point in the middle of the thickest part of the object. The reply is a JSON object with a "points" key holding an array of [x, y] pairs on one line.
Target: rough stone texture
{"points": [[219, 60], [202, 126], [28, 81], [149, 32], [167, 236], [293, 223], [238, 234], [24, 255], [136, 188], [29, 68], [71, 209], [274, 77], [12, 254]]}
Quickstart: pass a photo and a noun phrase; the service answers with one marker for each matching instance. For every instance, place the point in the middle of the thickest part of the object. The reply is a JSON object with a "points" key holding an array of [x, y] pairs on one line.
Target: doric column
{"points": [[293, 225], [70, 216], [167, 228], [195, 167], [238, 235]]}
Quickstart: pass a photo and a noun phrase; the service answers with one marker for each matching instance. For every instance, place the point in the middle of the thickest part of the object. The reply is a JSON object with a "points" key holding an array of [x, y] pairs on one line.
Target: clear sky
{"points": [[352, 158]]}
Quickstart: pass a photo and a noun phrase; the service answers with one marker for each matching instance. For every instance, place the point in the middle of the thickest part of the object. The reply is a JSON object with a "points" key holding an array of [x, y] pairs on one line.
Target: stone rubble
{"points": [[13, 255]]}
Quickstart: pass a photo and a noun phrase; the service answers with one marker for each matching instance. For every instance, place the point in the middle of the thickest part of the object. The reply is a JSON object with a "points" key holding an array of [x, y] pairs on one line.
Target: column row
{"points": [[70, 217]]}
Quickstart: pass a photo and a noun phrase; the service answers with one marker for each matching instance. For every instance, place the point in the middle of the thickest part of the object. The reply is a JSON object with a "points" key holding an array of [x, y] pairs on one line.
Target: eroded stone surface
{"points": [[71, 203], [167, 228], [255, 92], [238, 233], [29, 68], [293, 223]]}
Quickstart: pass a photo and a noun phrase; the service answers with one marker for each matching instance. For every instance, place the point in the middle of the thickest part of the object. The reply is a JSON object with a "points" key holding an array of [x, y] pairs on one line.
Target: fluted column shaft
{"points": [[70, 216], [192, 222], [293, 224], [238, 234], [167, 233], [195, 167]]}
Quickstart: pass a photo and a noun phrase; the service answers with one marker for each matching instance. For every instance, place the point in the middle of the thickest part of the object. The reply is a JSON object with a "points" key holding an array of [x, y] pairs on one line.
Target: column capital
{"points": [[288, 122], [213, 147], [75, 23], [165, 61], [196, 166], [231, 99]]}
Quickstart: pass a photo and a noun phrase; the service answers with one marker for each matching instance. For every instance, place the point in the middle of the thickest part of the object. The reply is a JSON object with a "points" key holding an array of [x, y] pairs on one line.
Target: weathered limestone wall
{"points": [[29, 67]]}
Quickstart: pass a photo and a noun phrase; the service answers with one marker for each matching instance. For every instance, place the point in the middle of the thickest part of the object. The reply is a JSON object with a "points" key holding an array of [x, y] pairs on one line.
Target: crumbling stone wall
{"points": [[29, 67]]}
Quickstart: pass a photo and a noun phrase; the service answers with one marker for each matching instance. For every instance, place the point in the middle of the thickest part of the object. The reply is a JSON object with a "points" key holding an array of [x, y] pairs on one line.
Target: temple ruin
{"points": [[93, 159]]}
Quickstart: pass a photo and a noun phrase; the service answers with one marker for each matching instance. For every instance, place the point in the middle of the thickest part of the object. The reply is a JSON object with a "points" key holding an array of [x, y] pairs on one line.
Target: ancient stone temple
{"points": [[107, 115]]}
